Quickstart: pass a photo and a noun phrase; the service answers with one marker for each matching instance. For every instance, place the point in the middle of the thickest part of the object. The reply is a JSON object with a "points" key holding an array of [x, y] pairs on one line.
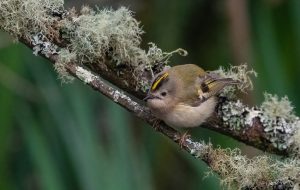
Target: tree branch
{"points": [[252, 126]]}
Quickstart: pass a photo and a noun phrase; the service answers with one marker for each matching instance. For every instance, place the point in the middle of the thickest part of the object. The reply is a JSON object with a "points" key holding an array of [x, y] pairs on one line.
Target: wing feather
{"points": [[211, 85]]}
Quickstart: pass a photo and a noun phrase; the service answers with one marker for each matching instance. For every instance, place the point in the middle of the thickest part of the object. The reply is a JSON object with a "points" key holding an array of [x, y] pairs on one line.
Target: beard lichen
{"points": [[91, 36], [240, 73], [97, 35], [94, 34], [261, 172], [22, 18]]}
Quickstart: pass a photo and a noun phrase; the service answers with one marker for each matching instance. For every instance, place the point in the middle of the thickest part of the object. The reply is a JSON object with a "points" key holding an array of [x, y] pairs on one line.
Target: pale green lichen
{"points": [[34, 20], [295, 149], [274, 107], [240, 73], [65, 56], [21, 18], [276, 116], [279, 120], [232, 114], [261, 172], [239, 172], [95, 34], [116, 35]]}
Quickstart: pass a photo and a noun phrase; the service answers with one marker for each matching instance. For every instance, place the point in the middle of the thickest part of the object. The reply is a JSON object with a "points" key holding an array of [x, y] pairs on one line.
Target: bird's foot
{"points": [[156, 124], [182, 139]]}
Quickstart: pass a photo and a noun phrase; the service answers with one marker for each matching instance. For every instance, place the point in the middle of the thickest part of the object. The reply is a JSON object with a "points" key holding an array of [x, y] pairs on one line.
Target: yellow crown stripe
{"points": [[155, 84]]}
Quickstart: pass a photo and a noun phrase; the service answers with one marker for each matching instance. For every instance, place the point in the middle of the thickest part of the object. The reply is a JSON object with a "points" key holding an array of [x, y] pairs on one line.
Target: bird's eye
{"points": [[163, 93]]}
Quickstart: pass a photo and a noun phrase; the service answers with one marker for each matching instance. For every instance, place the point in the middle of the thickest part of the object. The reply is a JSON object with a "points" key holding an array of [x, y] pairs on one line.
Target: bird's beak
{"points": [[149, 96]]}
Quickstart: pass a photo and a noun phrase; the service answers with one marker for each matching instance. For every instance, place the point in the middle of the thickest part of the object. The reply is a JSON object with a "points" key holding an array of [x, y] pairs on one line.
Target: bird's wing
{"points": [[211, 84]]}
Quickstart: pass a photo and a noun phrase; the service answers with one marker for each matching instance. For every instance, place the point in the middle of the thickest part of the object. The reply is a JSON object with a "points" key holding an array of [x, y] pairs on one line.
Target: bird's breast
{"points": [[185, 116]]}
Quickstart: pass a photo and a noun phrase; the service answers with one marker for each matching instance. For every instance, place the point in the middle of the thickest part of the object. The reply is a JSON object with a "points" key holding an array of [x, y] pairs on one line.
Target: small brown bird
{"points": [[184, 96]]}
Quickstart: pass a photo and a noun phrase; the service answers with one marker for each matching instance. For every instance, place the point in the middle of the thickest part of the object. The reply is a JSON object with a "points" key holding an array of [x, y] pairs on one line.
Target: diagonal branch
{"points": [[232, 117]]}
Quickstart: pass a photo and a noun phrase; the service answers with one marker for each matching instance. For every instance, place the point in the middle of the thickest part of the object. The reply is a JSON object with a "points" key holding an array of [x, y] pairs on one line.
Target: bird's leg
{"points": [[182, 139], [156, 123]]}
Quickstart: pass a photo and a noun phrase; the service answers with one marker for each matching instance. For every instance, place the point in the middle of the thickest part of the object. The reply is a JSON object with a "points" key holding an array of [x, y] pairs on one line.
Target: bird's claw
{"points": [[182, 139], [156, 124]]}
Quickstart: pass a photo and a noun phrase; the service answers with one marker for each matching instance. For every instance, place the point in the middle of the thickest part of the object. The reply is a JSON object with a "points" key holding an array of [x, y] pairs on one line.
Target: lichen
{"points": [[91, 37], [65, 57], [94, 34], [240, 73], [239, 172], [279, 120], [274, 107], [41, 44], [295, 148], [21, 18], [197, 149], [232, 114], [276, 116], [98, 35], [85, 75]]}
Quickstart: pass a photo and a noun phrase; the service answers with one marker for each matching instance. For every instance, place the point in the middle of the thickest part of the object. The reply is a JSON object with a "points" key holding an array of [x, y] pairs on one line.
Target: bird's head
{"points": [[161, 96]]}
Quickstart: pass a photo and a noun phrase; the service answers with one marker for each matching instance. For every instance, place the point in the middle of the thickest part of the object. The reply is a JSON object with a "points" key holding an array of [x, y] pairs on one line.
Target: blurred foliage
{"points": [[56, 137]]}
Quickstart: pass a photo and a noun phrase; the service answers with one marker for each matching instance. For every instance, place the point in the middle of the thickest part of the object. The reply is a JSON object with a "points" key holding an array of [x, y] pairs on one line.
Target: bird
{"points": [[185, 96]]}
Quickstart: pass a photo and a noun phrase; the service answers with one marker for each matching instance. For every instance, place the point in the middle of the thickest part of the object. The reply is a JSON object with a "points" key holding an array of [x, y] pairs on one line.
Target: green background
{"points": [[57, 136]]}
